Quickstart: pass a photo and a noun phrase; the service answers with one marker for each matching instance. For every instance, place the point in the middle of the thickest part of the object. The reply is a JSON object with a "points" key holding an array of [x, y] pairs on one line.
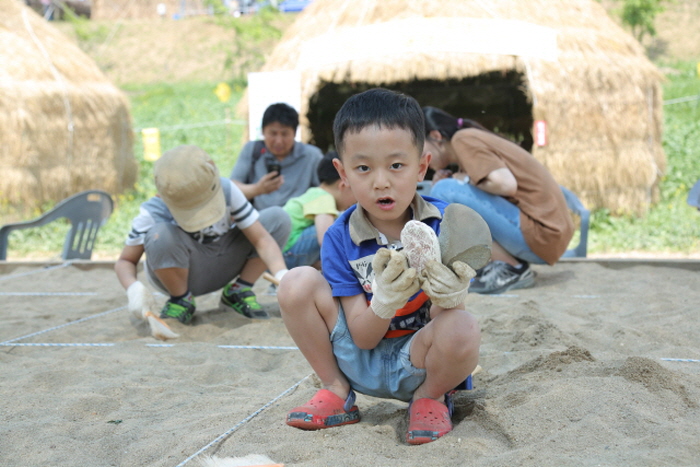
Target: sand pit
{"points": [[574, 373]]}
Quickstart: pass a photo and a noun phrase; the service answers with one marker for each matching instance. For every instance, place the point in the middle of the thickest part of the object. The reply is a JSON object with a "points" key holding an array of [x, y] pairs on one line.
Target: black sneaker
{"points": [[244, 302], [180, 309], [498, 277]]}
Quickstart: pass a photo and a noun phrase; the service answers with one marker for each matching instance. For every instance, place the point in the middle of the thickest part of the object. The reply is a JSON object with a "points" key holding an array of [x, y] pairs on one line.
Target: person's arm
{"points": [[126, 265], [499, 182], [366, 328], [393, 285], [140, 299], [322, 223], [487, 171], [267, 184], [243, 169], [266, 247]]}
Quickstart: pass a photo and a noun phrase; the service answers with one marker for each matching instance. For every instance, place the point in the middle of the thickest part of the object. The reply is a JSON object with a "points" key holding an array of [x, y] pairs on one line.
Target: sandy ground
{"points": [[574, 374], [575, 371]]}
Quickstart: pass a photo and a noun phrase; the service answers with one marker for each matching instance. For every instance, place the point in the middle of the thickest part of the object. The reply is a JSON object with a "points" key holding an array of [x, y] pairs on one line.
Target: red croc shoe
{"points": [[428, 420], [324, 410]]}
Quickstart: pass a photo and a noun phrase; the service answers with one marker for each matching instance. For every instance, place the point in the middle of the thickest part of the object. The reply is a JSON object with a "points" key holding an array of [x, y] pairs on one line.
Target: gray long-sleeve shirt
{"points": [[299, 169]]}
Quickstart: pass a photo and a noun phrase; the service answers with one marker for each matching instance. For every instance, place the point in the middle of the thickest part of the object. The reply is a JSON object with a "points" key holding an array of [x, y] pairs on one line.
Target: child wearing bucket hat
{"points": [[199, 234]]}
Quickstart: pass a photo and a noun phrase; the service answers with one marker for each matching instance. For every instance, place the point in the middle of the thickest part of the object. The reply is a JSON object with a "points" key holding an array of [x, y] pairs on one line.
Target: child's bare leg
{"points": [[310, 313], [174, 280], [498, 253], [448, 348], [252, 270]]}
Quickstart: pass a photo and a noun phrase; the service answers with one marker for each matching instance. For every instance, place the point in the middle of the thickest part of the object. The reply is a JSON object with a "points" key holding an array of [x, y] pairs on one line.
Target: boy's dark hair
{"points": [[326, 171], [281, 113], [379, 107]]}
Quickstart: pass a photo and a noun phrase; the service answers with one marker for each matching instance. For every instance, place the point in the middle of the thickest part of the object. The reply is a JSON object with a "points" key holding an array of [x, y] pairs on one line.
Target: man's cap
{"points": [[188, 182]]}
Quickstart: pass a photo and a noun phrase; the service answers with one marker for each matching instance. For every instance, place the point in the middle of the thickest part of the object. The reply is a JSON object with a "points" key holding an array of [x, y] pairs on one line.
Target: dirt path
{"points": [[197, 49], [164, 50]]}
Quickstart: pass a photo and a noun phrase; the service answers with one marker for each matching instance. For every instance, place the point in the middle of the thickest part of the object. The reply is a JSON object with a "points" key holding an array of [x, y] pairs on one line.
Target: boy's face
{"points": [[346, 197], [382, 167], [279, 139]]}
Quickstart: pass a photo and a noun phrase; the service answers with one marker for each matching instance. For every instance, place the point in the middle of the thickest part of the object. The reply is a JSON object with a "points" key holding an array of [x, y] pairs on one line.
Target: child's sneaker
{"points": [[243, 301], [498, 277], [181, 309]]}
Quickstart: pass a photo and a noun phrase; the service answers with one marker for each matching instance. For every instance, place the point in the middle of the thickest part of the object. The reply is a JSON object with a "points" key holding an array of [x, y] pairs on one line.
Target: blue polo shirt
{"points": [[349, 247]]}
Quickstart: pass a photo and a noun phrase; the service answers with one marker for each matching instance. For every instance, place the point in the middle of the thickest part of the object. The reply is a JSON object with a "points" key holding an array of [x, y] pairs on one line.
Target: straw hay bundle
{"points": [[63, 127], [587, 78]]}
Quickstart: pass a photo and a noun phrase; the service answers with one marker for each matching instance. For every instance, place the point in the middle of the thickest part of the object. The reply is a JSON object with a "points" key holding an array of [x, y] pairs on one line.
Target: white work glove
{"points": [[447, 288], [394, 282], [140, 300]]}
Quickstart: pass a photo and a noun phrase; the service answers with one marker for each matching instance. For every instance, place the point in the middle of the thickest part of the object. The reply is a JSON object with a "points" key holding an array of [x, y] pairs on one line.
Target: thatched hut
{"points": [[505, 63], [63, 127]]}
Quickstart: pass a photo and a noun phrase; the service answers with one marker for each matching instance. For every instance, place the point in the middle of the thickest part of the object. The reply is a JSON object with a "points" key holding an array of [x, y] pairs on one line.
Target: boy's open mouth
{"points": [[386, 203]]}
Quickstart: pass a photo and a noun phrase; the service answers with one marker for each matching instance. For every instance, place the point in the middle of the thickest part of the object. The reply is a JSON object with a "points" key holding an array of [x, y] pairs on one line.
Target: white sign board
{"points": [[270, 87]]}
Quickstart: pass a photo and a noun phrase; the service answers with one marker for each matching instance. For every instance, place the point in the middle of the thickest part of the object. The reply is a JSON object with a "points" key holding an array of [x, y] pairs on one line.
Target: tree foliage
{"points": [[639, 15]]}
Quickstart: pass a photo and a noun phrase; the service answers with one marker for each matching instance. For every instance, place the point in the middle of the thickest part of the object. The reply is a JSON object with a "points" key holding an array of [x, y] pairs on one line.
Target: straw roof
{"points": [[64, 127], [575, 69]]}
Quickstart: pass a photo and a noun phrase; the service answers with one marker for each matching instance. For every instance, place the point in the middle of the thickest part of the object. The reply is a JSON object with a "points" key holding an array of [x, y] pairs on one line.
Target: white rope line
{"points": [[244, 421], [681, 99], [47, 294], [81, 320], [113, 344], [185, 126], [507, 295], [114, 30], [48, 268], [52, 344], [507, 352], [262, 347], [686, 360], [229, 121]]}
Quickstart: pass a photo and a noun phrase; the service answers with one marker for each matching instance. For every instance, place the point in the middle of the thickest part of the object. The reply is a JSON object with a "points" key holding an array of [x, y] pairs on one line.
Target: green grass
{"points": [[670, 226], [163, 106]]}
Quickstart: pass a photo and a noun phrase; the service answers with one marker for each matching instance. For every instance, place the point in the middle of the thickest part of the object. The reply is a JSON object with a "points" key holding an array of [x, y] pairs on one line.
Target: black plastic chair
{"points": [[694, 195], [575, 206], [87, 212]]}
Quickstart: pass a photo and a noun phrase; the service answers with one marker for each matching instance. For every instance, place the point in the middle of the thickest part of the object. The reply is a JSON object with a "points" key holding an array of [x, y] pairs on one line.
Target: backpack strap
{"points": [[258, 150]]}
